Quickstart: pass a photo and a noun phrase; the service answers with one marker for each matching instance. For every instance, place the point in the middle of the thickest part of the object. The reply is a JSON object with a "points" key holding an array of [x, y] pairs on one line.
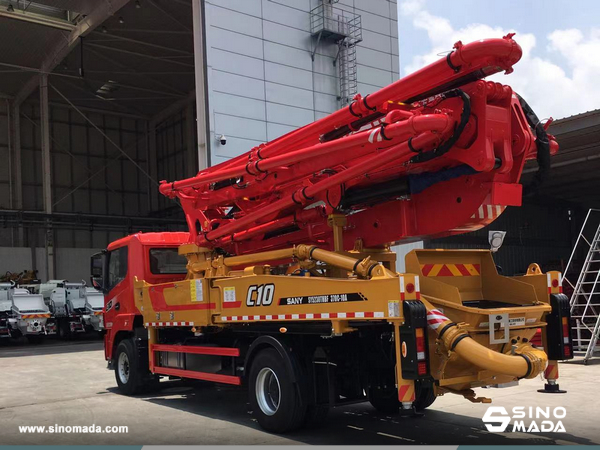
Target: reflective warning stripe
{"points": [[169, 324], [340, 315], [402, 289], [375, 135], [416, 285], [435, 318], [551, 372], [488, 212], [35, 316], [451, 270], [406, 392], [552, 276], [97, 313]]}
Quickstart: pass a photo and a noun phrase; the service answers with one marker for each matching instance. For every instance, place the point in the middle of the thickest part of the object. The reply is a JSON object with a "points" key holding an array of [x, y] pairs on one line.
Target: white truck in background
{"points": [[22, 313], [76, 308], [5, 310]]}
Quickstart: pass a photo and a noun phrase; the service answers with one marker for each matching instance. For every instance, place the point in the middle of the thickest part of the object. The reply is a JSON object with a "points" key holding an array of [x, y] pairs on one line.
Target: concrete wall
{"points": [[72, 264], [262, 81]]}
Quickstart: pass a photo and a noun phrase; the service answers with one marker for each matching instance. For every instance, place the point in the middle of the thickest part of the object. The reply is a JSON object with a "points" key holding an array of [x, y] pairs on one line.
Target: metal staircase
{"points": [[585, 300], [344, 28]]}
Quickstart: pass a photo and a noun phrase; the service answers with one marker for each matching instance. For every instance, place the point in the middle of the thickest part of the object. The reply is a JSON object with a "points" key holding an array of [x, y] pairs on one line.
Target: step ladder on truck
{"points": [[285, 282]]}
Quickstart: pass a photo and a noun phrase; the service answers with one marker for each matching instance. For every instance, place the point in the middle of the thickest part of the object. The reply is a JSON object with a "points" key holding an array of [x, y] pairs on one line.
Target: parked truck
{"points": [[22, 313], [5, 310], [75, 308], [285, 282]]}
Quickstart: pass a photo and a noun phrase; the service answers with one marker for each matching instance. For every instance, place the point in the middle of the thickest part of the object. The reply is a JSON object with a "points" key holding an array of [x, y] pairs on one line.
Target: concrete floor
{"points": [[68, 384]]}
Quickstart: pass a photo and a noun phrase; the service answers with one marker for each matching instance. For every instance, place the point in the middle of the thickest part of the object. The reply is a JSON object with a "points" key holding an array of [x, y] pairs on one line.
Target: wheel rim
{"points": [[268, 391], [123, 368]]}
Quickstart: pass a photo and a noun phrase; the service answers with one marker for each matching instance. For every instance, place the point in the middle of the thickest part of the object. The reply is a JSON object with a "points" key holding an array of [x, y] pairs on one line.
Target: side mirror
{"points": [[97, 264]]}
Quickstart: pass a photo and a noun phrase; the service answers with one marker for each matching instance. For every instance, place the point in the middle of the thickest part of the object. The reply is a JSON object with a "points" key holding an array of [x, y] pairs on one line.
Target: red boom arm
{"points": [[438, 152]]}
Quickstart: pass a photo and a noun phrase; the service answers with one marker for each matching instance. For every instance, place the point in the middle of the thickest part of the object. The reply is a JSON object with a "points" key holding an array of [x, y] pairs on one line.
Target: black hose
{"points": [[543, 149], [447, 145]]}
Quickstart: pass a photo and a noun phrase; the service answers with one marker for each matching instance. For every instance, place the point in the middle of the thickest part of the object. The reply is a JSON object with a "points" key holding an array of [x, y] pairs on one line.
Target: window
{"points": [[167, 261], [117, 267]]}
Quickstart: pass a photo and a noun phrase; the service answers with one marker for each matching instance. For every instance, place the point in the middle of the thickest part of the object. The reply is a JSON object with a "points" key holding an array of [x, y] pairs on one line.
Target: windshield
{"points": [[167, 261]]}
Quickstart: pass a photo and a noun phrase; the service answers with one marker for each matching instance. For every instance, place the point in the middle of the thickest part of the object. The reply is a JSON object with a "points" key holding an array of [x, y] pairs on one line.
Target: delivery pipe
{"points": [[401, 153], [527, 362]]}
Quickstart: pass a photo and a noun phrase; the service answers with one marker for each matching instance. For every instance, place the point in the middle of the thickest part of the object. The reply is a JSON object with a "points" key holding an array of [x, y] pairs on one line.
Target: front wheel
{"points": [[131, 377], [274, 398]]}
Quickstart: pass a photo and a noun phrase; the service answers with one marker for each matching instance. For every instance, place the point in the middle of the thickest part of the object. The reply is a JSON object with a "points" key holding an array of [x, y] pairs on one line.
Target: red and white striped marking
{"points": [[403, 285], [559, 281], [170, 324], [375, 135], [435, 318], [488, 212], [308, 316]]}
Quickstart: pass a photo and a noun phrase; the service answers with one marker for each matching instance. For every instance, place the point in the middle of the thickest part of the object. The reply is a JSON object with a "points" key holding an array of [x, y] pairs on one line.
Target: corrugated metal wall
{"points": [[5, 173], [262, 81], [535, 233], [172, 154], [89, 174]]}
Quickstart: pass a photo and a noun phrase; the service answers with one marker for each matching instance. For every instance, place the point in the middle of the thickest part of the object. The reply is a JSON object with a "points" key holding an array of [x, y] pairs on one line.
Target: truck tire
{"points": [[384, 400], [131, 377], [387, 401], [425, 395], [64, 332], [316, 415], [274, 398]]}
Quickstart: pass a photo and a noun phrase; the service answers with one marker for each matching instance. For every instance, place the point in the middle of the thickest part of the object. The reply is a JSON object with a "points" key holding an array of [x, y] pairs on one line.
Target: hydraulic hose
{"points": [[543, 148], [527, 362], [447, 145]]}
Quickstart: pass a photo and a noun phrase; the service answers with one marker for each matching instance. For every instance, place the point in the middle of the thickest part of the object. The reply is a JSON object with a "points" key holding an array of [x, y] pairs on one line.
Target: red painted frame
{"points": [[218, 351]]}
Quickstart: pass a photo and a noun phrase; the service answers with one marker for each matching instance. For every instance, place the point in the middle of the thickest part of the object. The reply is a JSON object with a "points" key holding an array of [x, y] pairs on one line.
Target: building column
{"points": [[201, 84], [190, 141], [15, 131], [47, 175]]}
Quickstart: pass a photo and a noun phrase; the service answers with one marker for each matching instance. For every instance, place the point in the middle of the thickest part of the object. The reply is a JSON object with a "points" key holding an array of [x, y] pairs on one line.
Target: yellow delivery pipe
{"points": [[527, 362]]}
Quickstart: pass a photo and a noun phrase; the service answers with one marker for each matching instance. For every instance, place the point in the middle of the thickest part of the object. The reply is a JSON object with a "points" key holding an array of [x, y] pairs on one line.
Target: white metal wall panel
{"points": [[260, 67], [401, 251]]}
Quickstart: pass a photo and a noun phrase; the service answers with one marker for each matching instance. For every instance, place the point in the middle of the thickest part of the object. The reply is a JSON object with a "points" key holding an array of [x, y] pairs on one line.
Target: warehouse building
{"points": [[99, 104]]}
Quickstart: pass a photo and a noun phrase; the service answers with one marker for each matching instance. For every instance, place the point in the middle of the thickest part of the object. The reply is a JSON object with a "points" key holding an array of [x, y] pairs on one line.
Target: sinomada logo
{"points": [[527, 419]]}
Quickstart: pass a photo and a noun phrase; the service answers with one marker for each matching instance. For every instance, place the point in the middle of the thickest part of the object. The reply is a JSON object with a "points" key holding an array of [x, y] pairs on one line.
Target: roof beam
{"points": [[38, 19], [103, 11]]}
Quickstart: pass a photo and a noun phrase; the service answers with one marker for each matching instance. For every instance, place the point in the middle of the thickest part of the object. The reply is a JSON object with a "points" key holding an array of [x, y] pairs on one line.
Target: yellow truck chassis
{"points": [[451, 324]]}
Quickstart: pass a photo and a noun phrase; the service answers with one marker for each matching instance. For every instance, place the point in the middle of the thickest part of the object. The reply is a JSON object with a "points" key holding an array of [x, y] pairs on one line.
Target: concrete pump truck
{"points": [[285, 282]]}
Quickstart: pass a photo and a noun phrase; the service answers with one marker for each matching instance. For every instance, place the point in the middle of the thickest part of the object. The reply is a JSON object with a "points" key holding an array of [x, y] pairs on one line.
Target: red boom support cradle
{"points": [[436, 153]]}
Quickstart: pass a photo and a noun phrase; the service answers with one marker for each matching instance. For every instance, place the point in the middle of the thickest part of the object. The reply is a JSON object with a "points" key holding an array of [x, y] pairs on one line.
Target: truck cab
{"points": [[143, 256]]}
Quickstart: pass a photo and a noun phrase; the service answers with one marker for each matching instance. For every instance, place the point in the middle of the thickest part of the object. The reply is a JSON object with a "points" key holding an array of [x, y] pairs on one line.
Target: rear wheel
{"points": [[425, 395], [384, 400], [64, 329], [131, 377], [316, 415], [274, 398]]}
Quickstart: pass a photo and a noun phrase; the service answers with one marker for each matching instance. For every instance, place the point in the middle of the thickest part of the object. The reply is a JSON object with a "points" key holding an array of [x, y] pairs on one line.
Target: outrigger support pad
{"points": [[552, 387]]}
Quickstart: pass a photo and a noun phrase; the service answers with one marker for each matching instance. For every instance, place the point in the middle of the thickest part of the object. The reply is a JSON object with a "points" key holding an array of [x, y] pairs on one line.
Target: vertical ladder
{"points": [[347, 72], [585, 300]]}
